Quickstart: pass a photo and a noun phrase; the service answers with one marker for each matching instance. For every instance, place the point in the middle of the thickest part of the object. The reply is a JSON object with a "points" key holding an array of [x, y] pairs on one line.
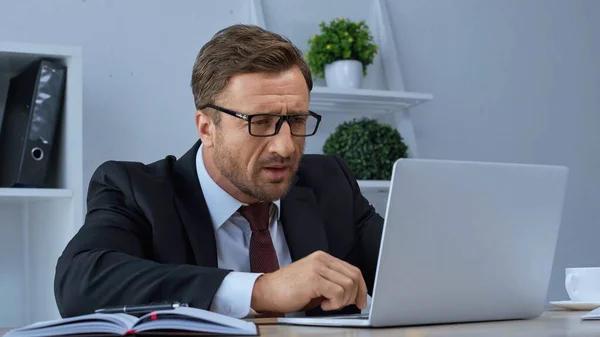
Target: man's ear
{"points": [[206, 128]]}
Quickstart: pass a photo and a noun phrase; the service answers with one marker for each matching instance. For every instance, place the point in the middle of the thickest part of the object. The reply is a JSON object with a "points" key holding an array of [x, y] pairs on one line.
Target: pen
{"points": [[140, 309]]}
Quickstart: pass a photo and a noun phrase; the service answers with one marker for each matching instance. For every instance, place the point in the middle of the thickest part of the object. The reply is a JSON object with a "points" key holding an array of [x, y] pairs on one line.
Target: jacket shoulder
{"points": [[125, 174], [324, 169], [154, 169], [316, 162]]}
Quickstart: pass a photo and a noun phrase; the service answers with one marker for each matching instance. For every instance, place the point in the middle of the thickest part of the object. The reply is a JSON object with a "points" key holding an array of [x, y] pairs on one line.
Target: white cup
{"points": [[583, 284]]}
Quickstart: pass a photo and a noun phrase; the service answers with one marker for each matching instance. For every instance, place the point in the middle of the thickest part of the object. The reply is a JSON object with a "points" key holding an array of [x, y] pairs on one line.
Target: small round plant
{"points": [[370, 148]]}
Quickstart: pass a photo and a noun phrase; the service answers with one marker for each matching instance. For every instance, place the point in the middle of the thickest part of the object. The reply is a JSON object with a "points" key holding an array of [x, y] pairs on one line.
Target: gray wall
{"points": [[137, 61], [513, 80]]}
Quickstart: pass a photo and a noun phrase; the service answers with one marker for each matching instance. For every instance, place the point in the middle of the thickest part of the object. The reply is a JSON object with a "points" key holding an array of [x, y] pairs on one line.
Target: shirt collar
{"points": [[221, 204]]}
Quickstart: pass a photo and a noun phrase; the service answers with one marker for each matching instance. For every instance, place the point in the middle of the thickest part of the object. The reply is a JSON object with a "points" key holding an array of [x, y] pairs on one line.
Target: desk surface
{"points": [[550, 324]]}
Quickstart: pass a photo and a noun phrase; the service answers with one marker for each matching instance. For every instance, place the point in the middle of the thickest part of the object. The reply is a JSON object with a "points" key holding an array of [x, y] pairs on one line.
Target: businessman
{"points": [[243, 223]]}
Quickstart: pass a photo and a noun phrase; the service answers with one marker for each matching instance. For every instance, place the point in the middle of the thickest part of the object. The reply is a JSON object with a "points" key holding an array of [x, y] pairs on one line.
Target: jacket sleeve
{"points": [[369, 228], [107, 262]]}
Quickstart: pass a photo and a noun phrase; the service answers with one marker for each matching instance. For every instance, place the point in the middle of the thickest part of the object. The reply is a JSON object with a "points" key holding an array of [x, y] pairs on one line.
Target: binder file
{"points": [[31, 116]]}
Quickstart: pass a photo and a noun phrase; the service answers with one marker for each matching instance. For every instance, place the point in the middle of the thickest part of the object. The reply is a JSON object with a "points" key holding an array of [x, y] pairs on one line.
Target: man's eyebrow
{"points": [[278, 111]]}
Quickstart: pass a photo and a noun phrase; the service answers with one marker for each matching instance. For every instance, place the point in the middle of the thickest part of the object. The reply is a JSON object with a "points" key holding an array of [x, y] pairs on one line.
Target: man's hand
{"points": [[316, 279]]}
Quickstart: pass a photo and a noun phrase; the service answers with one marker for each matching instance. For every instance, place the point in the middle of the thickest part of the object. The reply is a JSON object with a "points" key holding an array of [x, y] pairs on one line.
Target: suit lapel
{"points": [[302, 223], [301, 220], [189, 201]]}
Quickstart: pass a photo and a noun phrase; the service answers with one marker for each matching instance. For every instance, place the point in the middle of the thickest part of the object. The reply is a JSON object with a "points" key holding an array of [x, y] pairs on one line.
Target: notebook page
{"points": [[194, 325], [199, 314], [81, 328], [112, 322]]}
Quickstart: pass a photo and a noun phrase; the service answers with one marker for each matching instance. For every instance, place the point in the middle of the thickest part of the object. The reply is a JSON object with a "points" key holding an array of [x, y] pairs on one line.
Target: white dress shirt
{"points": [[232, 234]]}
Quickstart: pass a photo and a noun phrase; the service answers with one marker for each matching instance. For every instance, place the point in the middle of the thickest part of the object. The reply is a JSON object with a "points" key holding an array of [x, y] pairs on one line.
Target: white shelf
{"points": [[15, 56], [364, 101], [384, 96], [37, 223], [380, 186], [9, 194]]}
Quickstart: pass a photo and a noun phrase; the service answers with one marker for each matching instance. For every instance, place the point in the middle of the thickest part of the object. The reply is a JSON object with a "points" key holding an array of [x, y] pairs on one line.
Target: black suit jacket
{"points": [[148, 235]]}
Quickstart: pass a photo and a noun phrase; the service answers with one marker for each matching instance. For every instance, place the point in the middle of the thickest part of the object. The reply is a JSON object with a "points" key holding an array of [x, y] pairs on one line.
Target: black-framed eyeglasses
{"points": [[269, 124]]}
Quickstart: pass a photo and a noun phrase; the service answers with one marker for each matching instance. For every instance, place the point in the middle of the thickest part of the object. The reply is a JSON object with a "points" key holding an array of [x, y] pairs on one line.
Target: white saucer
{"points": [[571, 305]]}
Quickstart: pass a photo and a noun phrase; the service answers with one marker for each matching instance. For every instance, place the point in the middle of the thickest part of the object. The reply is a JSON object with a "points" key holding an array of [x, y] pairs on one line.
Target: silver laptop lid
{"points": [[467, 241]]}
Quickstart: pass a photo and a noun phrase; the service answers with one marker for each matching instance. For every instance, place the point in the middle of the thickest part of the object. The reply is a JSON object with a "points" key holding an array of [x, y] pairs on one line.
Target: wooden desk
{"points": [[551, 324]]}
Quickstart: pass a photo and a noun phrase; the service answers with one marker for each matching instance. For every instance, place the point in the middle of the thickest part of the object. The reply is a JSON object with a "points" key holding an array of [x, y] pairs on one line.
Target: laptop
{"points": [[462, 242]]}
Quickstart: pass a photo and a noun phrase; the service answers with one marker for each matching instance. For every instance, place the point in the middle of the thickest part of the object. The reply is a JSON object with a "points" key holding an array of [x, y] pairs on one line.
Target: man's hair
{"points": [[241, 49]]}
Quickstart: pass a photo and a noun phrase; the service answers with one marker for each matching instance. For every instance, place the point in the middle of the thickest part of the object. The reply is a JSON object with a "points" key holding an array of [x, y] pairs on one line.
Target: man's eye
{"points": [[264, 120], [298, 120]]}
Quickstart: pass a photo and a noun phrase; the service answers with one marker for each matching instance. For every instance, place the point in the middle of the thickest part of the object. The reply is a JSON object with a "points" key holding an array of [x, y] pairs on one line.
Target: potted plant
{"points": [[341, 53], [369, 147]]}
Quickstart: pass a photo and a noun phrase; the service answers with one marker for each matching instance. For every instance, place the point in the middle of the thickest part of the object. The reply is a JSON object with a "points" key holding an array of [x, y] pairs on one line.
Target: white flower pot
{"points": [[344, 74]]}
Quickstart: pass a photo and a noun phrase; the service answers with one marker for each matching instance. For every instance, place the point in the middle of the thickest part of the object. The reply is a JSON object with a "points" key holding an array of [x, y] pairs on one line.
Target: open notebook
{"points": [[184, 319]]}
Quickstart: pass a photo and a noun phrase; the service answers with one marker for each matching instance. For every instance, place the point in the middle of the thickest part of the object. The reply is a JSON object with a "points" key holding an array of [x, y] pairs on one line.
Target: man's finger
{"points": [[346, 270], [362, 291], [359, 295], [349, 285], [315, 302], [333, 294]]}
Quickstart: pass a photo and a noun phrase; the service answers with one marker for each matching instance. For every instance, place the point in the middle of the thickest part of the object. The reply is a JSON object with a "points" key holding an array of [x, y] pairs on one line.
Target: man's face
{"points": [[261, 168]]}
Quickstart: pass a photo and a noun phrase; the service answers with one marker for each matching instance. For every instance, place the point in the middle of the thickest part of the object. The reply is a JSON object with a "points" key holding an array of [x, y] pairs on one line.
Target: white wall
{"points": [[137, 62], [513, 81]]}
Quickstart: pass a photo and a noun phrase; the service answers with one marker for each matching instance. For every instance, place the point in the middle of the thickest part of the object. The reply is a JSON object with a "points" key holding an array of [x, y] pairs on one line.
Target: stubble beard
{"points": [[230, 168]]}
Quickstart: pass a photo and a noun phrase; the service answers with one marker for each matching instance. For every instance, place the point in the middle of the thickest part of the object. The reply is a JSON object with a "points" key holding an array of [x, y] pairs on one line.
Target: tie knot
{"points": [[257, 215]]}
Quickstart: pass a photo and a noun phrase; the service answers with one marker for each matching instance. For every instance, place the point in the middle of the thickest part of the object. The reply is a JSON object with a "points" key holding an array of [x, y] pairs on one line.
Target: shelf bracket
{"points": [[387, 48], [256, 14]]}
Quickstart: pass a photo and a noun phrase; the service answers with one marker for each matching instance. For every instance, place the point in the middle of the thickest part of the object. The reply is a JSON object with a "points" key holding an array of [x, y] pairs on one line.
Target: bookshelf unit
{"points": [[36, 224], [382, 96], [376, 102], [384, 105]]}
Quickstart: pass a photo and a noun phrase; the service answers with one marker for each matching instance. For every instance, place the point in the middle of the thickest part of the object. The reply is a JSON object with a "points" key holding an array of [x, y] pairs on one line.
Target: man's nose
{"points": [[282, 143]]}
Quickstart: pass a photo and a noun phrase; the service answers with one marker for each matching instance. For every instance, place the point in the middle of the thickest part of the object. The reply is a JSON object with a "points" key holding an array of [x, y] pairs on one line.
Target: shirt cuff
{"points": [[235, 294]]}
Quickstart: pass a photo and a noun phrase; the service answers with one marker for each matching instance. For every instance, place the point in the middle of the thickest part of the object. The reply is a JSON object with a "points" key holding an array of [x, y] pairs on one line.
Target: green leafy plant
{"points": [[341, 39], [370, 148]]}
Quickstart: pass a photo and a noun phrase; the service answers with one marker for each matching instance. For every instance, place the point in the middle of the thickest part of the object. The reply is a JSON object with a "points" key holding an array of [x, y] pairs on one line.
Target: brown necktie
{"points": [[263, 258]]}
